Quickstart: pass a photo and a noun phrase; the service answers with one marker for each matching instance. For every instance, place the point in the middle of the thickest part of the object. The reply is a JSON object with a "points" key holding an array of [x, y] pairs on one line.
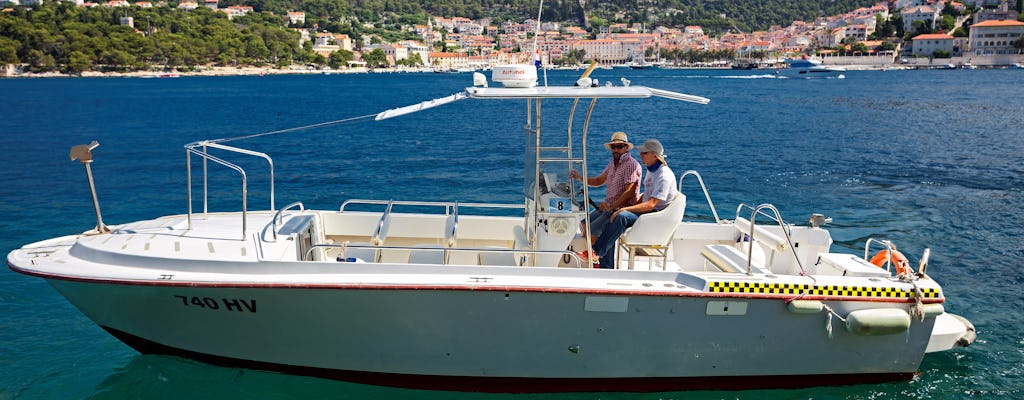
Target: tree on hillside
{"points": [[78, 62], [340, 58], [947, 23], [375, 58], [8, 51]]}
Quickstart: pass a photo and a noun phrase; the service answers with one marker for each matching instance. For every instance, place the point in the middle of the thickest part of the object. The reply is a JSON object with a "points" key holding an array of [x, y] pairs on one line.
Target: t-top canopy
{"points": [[546, 92]]}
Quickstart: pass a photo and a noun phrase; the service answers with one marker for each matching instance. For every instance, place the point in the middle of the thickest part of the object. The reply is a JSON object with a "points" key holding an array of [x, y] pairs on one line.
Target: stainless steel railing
{"points": [[345, 246], [778, 218], [447, 204], [200, 149], [707, 196], [277, 216]]}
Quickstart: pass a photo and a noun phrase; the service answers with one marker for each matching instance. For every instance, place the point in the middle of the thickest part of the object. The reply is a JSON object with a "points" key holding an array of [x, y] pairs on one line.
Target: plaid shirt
{"points": [[617, 177]]}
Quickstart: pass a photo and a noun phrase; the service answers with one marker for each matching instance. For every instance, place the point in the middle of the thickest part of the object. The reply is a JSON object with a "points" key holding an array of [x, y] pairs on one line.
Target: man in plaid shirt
{"points": [[622, 177]]}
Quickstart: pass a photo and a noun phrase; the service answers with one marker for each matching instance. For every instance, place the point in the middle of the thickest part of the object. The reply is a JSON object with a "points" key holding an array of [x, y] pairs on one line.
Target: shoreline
{"points": [[202, 71], [261, 71]]}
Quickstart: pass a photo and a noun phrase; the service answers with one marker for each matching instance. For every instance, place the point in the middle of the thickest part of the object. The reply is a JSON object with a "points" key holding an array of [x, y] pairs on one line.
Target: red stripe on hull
{"points": [[524, 385]]}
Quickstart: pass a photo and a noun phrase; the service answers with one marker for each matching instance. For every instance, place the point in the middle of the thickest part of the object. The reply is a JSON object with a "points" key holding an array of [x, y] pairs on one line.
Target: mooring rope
{"points": [[298, 128]]}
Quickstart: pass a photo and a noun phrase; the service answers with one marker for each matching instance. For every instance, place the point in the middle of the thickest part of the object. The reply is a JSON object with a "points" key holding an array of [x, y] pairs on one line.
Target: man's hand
{"points": [[604, 206], [573, 174]]}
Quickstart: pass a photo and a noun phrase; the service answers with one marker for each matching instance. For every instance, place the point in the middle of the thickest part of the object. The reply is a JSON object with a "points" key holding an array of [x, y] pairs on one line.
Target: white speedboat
{"points": [[463, 299], [809, 68]]}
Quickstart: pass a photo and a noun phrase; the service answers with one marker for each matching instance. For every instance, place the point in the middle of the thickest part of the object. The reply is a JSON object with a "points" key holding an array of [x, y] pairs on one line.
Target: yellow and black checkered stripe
{"points": [[811, 290]]}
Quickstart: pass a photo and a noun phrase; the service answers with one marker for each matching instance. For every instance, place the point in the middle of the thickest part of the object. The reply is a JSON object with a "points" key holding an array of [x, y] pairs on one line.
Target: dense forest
{"points": [[73, 39]]}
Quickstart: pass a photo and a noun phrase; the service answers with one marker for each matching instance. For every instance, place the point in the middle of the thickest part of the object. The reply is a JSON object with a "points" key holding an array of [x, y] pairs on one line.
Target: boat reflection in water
{"points": [[448, 295]]}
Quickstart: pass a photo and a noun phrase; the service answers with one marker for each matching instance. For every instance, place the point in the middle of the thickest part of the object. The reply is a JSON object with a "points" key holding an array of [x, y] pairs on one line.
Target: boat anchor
{"points": [[83, 153]]}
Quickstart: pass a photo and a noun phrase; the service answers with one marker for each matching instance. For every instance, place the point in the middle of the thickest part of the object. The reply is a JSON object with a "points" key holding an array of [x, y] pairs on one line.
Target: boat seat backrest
{"points": [[363, 251], [765, 237], [427, 254], [656, 228], [728, 258]]}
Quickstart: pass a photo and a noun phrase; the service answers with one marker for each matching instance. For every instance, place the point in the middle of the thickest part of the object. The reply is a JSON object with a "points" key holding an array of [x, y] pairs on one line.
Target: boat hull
{"points": [[494, 339]]}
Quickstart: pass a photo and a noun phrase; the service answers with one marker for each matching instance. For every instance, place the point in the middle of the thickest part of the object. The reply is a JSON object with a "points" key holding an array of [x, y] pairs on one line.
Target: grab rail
{"points": [[889, 247], [277, 215], [382, 225], [446, 204], [704, 188], [777, 218], [191, 149], [345, 246]]}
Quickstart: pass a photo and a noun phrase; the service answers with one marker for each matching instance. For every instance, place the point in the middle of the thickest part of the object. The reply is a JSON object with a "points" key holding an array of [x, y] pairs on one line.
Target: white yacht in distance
{"points": [[447, 295], [804, 67]]}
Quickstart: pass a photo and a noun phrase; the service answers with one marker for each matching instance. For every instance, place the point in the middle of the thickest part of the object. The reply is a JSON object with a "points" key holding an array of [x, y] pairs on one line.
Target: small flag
{"points": [[536, 57]]}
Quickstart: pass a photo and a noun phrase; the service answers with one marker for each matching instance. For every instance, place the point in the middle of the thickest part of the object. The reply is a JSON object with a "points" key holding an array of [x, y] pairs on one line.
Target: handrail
{"points": [[270, 162], [789, 241], [277, 215], [888, 246], [753, 210], [193, 148], [345, 246], [450, 234], [446, 204], [704, 188], [382, 224], [205, 157]]}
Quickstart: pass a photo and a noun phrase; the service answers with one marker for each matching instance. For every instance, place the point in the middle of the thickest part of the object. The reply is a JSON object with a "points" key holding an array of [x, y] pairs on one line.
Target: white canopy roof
{"points": [[546, 92]]}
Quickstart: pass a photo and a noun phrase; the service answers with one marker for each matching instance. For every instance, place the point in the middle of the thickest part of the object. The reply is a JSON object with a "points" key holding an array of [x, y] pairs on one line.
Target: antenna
{"points": [[83, 153], [536, 49]]}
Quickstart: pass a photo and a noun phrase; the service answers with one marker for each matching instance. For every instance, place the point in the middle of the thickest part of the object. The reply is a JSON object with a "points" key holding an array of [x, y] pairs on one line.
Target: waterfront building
{"points": [[413, 47], [1003, 12], [448, 60], [995, 37], [926, 14], [927, 45], [605, 51]]}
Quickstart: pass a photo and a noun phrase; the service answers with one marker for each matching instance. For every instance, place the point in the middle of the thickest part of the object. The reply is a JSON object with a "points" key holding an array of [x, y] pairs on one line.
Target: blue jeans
{"points": [[607, 242], [598, 220]]}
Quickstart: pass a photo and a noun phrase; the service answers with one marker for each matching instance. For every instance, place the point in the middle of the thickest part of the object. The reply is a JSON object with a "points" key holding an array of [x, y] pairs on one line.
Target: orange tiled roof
{"points": [[933, 36], [993, 22]]}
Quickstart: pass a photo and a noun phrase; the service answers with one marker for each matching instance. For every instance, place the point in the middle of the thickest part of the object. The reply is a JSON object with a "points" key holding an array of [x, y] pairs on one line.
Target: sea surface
{"points": [[928, 159]]}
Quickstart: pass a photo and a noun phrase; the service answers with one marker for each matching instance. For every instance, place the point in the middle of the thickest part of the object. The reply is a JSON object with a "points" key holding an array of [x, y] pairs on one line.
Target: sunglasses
{"points": [[618, 146]]}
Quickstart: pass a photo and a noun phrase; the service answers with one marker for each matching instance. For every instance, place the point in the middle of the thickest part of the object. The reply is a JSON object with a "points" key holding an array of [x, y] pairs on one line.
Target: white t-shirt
{"points": [[660, 184]]}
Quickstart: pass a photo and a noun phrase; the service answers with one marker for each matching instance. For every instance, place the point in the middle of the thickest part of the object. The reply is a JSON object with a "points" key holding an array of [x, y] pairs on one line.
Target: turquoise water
{"points": [[925, 158]]}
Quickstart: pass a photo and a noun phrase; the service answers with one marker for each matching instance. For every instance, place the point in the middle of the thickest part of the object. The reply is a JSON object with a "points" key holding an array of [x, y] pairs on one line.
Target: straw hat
{"points": [[654, 146], [619, 138]]}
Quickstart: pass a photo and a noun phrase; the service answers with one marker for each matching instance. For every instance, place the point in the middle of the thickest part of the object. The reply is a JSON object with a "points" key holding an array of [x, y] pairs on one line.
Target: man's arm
{"points": [[639, 208], [629, 193], [595, 181]]}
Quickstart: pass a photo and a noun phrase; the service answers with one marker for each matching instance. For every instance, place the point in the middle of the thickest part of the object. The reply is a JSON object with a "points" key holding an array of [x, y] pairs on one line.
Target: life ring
{"points": [[898, 260]]}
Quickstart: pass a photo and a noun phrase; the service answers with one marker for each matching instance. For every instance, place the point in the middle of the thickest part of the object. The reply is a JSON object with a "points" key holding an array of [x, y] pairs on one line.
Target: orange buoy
{"points": [[898, 260]]}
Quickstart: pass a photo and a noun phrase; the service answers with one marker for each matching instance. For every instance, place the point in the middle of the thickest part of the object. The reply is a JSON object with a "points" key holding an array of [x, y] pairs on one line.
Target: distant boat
{"points": [[169, 75], [809, 68]]}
